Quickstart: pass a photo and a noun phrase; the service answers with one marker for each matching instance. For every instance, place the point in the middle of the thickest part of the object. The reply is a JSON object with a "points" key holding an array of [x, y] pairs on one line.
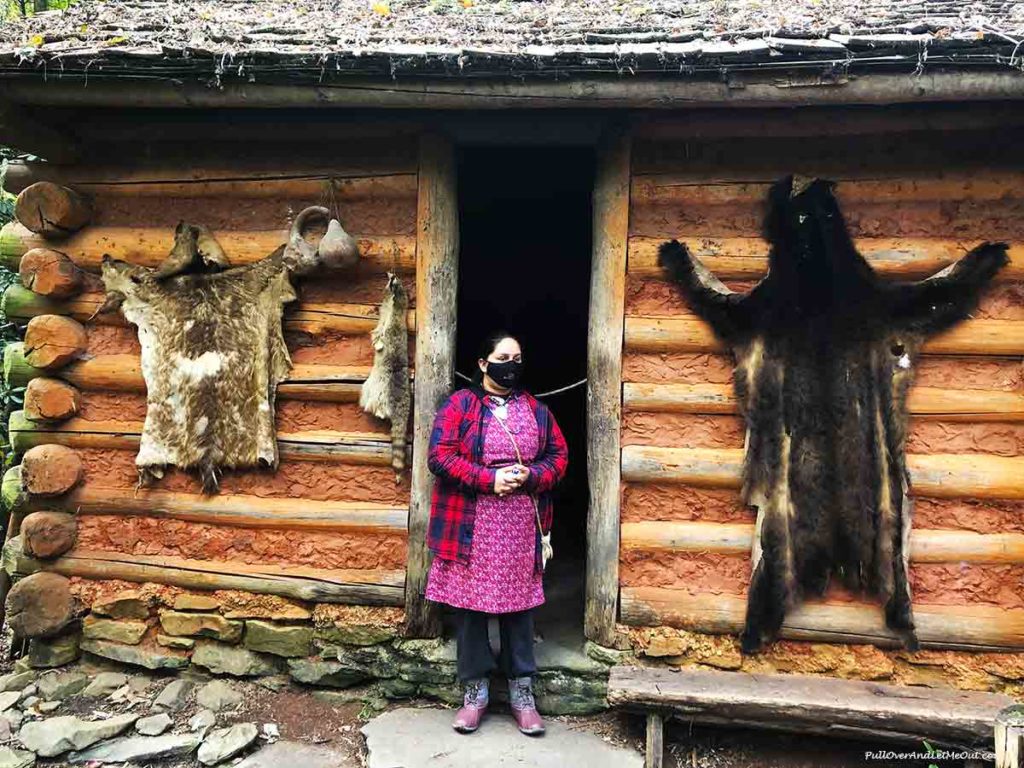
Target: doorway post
{"points": [[604, 382], [437, 267]]}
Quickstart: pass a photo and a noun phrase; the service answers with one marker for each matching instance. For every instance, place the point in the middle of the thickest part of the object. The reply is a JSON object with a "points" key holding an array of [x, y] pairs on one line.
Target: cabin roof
{"points": [[312, 41]]}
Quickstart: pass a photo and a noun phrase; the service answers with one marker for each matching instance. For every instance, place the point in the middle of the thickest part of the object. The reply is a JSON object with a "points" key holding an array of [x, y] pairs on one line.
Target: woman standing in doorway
{"points": [[497, 452]]}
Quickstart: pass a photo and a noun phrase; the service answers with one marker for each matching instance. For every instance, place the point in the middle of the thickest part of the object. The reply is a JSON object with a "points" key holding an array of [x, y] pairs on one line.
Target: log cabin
{"points": [[516, 164]]}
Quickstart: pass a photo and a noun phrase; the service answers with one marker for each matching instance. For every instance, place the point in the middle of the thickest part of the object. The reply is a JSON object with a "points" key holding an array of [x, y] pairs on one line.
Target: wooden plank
{"points": [[149, 246], [746, 258], [821, 121], [345, 185], [926, 546], [369, 587], [936, 475], [123, 373], [233, 510], [926, 402], [362, 448], [811, 704], [437, 276], [688, 189], [970, 628], [19, 303], [747, 89], [1009, 737], [604, 383], [654, 748], [691, 334]]}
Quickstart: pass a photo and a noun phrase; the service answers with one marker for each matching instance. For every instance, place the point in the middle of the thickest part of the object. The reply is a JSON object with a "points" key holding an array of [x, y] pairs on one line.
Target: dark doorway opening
{"points": [[525, 250]]}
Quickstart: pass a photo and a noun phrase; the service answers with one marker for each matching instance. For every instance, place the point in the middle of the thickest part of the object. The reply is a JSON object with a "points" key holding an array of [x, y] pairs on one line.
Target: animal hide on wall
{"points": [[825, 352], [386, 392], [213, 353]]}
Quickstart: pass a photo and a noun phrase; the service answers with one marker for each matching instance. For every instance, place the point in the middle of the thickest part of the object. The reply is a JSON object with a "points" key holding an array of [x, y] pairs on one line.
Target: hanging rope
{"points": [[558, 391]]}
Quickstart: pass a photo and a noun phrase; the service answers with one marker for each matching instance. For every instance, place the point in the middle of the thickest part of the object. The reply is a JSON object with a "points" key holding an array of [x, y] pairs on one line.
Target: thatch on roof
{"points": [[313, 41]]}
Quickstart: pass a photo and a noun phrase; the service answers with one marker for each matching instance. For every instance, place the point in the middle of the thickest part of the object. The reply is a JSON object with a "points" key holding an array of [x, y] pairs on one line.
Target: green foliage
{"points": [[11, 398], [14, 9]]}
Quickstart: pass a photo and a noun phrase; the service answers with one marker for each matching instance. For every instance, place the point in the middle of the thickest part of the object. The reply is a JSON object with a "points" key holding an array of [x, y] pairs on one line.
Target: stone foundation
{"points": [[347, 653], [973, 671]]}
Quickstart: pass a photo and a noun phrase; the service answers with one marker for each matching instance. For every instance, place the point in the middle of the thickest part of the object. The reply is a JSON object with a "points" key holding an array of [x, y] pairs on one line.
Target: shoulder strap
{"points": [[519, 458]]}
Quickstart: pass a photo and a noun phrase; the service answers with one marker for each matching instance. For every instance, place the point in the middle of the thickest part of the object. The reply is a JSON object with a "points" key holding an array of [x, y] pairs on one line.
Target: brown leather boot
{"points": [[474, 706], [524, 710]]}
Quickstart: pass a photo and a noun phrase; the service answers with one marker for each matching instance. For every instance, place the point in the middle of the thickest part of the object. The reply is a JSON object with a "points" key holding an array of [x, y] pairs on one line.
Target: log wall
{"points": [[915, 201], [332, 514]]}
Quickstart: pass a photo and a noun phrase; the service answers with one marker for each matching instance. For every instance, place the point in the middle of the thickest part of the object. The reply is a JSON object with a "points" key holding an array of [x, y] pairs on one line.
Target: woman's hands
{"points": [[508, 479]]}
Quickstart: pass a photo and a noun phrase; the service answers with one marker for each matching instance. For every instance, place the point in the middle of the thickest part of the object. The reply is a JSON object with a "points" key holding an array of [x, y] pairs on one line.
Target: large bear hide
{"points": [[213, 353], [825, 352]]}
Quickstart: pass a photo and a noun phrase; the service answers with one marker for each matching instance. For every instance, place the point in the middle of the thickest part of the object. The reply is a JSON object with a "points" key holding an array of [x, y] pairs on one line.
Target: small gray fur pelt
{"points": [[386, 393]]}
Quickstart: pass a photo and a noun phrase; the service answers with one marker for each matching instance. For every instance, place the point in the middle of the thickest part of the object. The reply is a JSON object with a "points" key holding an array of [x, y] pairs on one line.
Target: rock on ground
{"points": [[57, 735], [16, 681], [153, 725], [140, 748], [104, 684], [224, 743], [60, 685], [202, 720], [285, 753], [418, 738], [8, 699], [174, 695], [16, 758], [218, 695]]}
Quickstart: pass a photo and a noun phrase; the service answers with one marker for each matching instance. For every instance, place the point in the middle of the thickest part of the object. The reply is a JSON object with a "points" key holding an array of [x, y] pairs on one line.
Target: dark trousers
{"points": [[475, 658]]}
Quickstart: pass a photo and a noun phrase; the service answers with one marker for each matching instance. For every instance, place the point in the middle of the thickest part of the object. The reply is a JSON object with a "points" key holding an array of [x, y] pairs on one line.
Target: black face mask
{"points": [[506, 374]]}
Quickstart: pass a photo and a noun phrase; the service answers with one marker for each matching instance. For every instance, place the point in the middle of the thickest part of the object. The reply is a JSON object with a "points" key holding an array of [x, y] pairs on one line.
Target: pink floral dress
{"points": [[500, 576]]}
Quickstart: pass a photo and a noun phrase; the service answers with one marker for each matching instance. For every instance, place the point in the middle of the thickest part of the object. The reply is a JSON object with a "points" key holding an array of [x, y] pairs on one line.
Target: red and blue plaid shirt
{"points": [[455, 457]]}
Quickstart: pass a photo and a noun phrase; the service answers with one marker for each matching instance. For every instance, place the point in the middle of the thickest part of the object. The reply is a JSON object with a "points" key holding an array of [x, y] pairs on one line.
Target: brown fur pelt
{"points": [[825, 353], [213, 353], [386, 392]]}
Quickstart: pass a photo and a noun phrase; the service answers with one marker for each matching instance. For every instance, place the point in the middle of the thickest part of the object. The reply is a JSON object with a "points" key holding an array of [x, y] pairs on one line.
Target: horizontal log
{"points": [[362, 448], [49, 273], [760, 89], [19, 303], [286, 166], [926, 546], [51, 400], [53, 341], [685, 189], [229, 183], [150, 246], [935, 475], [690, 334], [969, 628], [358, 587], [746, 258], [123, 373], [232, 510], [811, 704], [49, 469], [52, 210], [820, 121], [926, 402]]}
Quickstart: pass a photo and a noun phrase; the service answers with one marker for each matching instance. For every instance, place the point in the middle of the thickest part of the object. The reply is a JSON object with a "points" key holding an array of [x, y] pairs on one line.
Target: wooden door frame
{"points": [[604, 382], [437, 256], [437, 273]]}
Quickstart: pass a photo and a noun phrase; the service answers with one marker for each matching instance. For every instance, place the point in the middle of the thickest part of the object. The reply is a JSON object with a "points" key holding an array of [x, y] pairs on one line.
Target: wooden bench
{"points": [[806, 704]]}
